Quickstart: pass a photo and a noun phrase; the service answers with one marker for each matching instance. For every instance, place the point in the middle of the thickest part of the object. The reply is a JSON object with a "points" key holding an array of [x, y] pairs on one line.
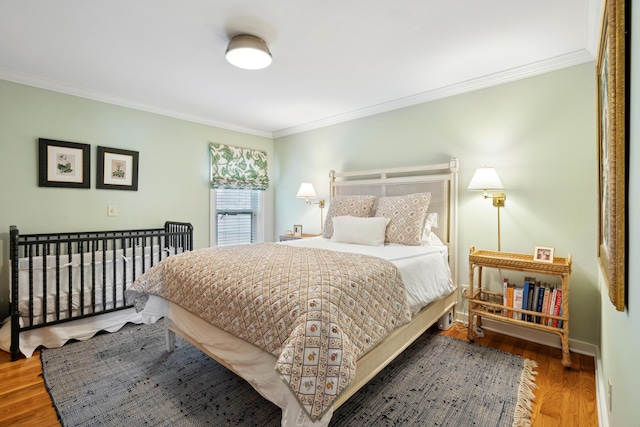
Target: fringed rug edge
{"points": [[522, 415]]}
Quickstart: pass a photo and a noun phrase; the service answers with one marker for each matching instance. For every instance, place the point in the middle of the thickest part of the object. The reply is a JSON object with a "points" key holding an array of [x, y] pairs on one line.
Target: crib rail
{"points": [[60, 277]]}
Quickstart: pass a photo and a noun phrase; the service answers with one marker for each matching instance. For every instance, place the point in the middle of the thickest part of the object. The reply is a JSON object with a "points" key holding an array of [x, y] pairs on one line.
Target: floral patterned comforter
{"points": [[316, 310]]}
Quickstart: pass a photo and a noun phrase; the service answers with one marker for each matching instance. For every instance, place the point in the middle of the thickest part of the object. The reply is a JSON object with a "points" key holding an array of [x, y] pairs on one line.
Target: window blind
{"points": [[238, 216]]}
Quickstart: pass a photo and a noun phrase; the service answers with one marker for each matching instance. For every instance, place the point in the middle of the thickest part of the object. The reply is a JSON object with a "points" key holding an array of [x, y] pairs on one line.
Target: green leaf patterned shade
{"points": [[238, 168]]}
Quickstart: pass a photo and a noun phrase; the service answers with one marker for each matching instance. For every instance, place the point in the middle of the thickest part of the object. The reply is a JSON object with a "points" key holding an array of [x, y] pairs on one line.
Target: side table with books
{"points": [[532, 303]]}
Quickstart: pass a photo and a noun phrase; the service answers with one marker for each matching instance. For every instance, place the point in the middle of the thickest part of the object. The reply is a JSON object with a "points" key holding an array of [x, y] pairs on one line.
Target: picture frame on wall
{"points": [[63, 164], [117, 169], [612, 140]]}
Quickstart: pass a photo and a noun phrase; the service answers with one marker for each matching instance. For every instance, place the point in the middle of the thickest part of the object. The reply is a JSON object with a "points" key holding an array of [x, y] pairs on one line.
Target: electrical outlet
{"points": [[111, 210], [610, 395]]}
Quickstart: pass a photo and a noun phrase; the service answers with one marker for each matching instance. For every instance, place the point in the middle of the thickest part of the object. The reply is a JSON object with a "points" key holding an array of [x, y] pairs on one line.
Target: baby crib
{"points": [[67, 277]]}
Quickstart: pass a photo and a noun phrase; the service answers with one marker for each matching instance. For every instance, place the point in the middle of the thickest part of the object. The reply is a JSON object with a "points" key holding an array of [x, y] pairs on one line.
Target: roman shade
{"points": [[238, 168]]}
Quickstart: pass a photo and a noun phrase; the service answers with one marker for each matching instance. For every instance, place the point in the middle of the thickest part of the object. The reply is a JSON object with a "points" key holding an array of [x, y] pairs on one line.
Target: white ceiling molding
{"points": [[553, 64]]}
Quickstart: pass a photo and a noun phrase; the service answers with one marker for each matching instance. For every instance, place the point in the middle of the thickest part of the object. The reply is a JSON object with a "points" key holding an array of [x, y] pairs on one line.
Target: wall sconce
{"points": [[486, 179], [307, 191]]}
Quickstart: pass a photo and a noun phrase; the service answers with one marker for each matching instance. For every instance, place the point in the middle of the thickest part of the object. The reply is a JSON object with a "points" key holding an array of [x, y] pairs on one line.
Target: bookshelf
{"points": [[491, 304]]}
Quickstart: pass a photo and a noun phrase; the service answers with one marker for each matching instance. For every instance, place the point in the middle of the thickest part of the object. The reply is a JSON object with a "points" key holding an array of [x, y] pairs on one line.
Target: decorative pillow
{"points": [[342, 205], [361, 231], [407, 215]]}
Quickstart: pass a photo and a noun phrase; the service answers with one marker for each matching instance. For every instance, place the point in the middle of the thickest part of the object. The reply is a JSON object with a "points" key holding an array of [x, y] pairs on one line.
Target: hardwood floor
{"points": [[564, 397]]}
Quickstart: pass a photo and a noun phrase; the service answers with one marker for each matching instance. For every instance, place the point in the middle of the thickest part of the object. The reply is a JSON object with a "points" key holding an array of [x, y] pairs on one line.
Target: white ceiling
{"points": [[332, 60]]}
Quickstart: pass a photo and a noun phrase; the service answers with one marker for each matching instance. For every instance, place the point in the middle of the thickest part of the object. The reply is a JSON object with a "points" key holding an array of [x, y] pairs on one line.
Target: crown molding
{"points": [[541, 67], [41, 83]]}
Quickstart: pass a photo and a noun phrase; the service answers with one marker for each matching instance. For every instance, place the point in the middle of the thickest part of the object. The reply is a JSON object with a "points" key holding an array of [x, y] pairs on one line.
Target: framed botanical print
{"points": [[612, 139], [63, 164], [117, 169]]}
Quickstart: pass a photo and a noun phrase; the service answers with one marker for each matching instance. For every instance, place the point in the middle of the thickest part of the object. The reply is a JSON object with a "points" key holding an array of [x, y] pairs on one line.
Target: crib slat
{"points": [[31, 284], [43, 305], [70, 284], [104, 274], [58, 304]]}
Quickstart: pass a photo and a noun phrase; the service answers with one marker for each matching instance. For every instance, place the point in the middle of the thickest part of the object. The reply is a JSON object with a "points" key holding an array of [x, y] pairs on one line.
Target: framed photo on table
{"points": [[297, 230], [543, 254], [117, 169], [63, 164], [613, 143]]}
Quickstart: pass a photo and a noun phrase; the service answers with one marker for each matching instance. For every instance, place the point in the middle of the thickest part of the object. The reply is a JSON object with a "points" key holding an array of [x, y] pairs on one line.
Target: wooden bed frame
{"points": [[439, 179]]}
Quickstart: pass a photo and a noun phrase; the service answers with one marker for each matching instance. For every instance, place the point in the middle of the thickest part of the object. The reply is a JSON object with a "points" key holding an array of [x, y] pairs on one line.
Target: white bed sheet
{"points": [[424, 269]]}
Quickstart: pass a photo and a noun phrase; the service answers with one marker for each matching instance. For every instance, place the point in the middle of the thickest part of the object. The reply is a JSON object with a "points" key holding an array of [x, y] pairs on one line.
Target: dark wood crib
{"points": [[61, 277]]}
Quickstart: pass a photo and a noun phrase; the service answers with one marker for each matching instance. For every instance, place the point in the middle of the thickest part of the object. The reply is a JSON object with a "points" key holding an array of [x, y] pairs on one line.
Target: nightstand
{"points": [[492, 305], [285, 237]]}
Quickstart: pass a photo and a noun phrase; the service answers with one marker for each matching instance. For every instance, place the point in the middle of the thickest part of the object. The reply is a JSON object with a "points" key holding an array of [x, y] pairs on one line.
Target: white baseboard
{"points": [[540, 337], [553, 340], [601, 393]]}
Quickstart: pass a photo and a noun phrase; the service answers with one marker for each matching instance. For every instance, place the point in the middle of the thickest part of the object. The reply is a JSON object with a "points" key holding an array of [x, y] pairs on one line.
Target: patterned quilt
{"points": [[316, 310]]}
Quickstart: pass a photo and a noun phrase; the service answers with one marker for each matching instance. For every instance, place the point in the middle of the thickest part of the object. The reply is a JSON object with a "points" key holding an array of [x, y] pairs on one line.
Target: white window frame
{"points": [[213, 218]]}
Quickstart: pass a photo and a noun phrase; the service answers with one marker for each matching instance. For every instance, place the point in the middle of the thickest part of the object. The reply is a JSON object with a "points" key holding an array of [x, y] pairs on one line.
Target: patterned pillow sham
{"points": [[342, 205], [407, 215]]}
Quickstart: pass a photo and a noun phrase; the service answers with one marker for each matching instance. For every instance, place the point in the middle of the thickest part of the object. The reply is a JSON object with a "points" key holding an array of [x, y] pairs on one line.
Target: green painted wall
{"points": [[173, 168], [620, 345], [538, 132]]}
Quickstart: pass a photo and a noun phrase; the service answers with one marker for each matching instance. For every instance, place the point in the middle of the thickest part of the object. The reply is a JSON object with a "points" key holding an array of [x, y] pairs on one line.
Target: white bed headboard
{"points": [[441, 180]]}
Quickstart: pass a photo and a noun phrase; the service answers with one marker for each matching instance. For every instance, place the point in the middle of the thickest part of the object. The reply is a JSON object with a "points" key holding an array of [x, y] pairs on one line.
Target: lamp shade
{"points": [[306, 190], [248, 52], [485, 178]]}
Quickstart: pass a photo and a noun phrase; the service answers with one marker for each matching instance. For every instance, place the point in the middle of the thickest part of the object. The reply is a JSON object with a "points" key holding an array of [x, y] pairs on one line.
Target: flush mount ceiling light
{"points": [[248, 52]]}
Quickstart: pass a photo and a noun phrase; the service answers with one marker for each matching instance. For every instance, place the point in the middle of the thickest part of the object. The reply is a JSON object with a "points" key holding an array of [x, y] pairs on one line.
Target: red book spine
{"points": [[557, 308]]}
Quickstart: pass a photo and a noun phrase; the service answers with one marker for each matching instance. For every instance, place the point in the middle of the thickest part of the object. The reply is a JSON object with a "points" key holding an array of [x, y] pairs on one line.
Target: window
{"points": [[237, 217], [238, 180]]}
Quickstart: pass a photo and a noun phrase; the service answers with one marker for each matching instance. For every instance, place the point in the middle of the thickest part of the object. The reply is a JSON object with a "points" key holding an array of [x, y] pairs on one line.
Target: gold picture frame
{"points": [[612, 141]]}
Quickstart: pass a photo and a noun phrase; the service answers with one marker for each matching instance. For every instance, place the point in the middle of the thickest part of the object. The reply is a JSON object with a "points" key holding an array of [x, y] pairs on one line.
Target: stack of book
{"points": [[543, 298]]}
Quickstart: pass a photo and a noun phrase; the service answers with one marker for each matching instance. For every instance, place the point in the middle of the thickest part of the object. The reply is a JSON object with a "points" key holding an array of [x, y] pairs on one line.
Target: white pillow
{"points": [[361, 231], [431, 222]]}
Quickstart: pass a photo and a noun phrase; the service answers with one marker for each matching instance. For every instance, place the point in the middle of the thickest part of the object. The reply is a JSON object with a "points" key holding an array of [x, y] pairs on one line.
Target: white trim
{"points": [[601, 392], [549, 339], [553, 64], [29, 80], [212, 218]]}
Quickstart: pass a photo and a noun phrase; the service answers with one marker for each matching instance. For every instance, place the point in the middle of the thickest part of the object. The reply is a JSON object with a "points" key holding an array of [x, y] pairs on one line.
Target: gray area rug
{"points": [[127, 378]]}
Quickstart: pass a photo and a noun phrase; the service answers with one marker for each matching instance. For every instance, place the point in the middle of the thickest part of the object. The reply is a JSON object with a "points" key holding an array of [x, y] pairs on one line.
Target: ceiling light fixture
{"points": [[248, 52]]}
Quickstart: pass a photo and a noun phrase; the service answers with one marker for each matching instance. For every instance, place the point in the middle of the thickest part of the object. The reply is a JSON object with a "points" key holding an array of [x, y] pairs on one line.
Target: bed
{"points": [[71, 285], [162, 293]]}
